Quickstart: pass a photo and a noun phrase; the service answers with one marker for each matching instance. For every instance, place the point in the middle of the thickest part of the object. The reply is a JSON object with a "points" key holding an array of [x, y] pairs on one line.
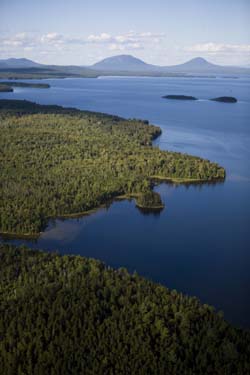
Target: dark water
{"points": [[200, 243]]}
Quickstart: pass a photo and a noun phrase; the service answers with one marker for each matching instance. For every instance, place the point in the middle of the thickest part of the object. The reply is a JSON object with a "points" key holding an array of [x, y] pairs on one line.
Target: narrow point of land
{"points": [[63, 162], [8, 85]]}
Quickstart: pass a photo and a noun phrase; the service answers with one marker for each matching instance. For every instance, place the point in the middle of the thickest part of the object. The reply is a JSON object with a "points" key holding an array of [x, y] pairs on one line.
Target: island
{"points": [[63, 162], [179, 97], [225, 99], [149, 200], [75, 315]]}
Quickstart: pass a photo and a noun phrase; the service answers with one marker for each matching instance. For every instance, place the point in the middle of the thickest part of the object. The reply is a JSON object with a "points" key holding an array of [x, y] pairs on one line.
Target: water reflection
{"points": [[150, 211]]}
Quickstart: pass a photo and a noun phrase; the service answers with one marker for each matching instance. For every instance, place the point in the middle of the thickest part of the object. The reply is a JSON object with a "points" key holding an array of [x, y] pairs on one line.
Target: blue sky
{"points": [[161, 32]]}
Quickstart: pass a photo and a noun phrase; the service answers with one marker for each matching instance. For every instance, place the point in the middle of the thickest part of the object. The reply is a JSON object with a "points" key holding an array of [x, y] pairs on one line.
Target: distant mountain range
{"points": [[197, 65], [115, 65]]}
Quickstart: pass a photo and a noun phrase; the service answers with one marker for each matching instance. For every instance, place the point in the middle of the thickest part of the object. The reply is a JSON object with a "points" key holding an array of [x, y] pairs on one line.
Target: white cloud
{"points": [[217, 48], [53, 41], [116, 47], [52, 38], [152, 47], [103, 37], [129, 38], [123, 47]]}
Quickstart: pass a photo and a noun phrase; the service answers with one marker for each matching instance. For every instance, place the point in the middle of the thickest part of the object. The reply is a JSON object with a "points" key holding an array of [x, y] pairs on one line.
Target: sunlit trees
{"points": [[73, 315], [57, 161]]}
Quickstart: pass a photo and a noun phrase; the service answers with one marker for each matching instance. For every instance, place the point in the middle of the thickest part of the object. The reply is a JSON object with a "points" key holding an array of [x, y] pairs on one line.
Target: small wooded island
{"points": [[149, 200], [8, 85], [179, 97], [59, 161], [222, 99], [225, 99]]}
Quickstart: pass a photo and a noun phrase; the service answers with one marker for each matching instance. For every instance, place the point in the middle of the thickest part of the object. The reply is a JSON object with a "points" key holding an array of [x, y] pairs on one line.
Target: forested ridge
{"points": [[56, 161], [12, 83], [73, 315]]}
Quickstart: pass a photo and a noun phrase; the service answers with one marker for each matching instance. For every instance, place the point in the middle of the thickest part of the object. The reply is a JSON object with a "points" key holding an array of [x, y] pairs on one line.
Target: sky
{"points": [[162, 32]]}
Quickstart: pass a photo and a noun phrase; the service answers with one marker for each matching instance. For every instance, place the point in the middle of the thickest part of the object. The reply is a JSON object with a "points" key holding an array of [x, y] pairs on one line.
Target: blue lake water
{"points": [[200, 243]]}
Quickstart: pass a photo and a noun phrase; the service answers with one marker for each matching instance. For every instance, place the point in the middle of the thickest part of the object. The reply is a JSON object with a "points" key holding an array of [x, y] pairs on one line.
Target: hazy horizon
{"points": [[132, 56], [158, 33]]}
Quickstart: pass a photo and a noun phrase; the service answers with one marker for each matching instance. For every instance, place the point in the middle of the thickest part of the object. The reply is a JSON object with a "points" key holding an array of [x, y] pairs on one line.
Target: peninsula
{"points": [[63, 162], [8, 85]]}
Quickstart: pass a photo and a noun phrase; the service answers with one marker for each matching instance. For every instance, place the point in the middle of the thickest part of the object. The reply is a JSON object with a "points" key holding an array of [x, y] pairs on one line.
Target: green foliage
{"points": [[57, 161], [47, 71], [72, 315], [150, 199], [25, 84]]}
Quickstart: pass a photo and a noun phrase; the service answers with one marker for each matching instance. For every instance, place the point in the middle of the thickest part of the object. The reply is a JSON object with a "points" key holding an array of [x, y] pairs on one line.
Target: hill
{"points": [[73, 315], [27, 69], [197, 64], [131, 64], [14, 63], [122, 63]]}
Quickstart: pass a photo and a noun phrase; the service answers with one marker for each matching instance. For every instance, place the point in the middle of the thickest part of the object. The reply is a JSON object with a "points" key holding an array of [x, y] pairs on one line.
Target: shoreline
{"points": [[154, 180], [120, 197]]}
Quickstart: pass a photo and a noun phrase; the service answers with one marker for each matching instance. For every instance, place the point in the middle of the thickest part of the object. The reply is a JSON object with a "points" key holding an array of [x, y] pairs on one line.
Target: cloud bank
{"points": [[53, 47], [216, 48]]}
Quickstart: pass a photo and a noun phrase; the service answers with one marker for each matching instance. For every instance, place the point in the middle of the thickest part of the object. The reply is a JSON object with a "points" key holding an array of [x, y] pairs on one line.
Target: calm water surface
{"points": [[200, 243]]}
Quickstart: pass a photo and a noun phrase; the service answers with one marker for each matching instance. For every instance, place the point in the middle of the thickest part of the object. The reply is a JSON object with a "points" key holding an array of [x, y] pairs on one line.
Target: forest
{"points": [[56, 162], [8, 85], [12, 83], [74, 315]]}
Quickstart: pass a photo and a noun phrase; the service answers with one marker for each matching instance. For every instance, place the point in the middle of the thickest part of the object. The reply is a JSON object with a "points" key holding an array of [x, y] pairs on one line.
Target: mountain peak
{"points": [[120, 62], [199, 62]]}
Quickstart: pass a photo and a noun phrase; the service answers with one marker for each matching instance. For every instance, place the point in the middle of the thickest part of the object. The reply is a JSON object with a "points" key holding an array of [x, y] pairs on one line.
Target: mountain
{"points": [[22, 68], [122, 63], [195, 65], [198, 65], [13, 63]]}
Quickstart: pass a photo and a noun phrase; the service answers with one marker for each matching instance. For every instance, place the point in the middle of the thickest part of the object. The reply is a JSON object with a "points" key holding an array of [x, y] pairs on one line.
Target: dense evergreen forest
{"points": [[73, 315], [56, 162], [8, 86], [25, 84]]}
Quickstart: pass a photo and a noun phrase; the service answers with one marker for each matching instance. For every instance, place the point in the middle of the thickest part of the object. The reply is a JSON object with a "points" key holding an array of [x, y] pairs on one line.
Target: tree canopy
{"points": [[56, 161], [73, 315]]}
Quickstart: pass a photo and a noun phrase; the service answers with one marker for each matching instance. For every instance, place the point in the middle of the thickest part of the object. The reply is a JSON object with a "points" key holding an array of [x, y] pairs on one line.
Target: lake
{"points": [[200, 243]]}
